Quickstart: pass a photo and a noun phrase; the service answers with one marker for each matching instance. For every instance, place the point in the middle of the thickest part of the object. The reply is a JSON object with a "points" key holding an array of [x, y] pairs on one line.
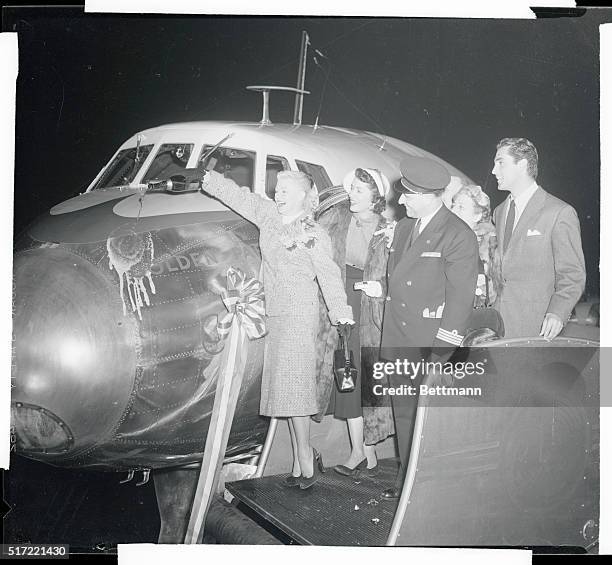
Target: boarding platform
{"points": [[514, 463], [337, 510]]}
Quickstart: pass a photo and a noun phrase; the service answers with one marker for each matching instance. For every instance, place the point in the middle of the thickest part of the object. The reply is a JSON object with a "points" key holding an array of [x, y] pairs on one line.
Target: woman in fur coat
{"points": [[473, 206], [357, 229]]}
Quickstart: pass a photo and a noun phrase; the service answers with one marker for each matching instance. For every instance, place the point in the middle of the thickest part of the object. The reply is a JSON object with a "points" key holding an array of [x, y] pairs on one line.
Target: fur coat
{"points": [[378, 420]]}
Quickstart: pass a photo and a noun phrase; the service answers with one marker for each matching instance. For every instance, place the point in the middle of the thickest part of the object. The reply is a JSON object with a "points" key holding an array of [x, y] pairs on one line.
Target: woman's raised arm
{"points": [[239, 198]]}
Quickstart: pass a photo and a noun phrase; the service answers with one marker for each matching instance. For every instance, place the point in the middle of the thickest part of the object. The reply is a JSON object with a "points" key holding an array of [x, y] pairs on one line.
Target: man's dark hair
{"points": [[521, 148]]}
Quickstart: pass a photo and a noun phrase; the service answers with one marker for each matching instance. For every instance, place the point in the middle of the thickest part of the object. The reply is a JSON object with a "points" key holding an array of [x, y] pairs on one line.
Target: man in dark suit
{"points": [[431, 280], [543, 273]]}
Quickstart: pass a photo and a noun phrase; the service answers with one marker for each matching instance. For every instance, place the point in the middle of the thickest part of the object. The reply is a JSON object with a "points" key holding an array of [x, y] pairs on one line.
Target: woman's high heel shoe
{"points": [[317, 469], [372, 471], [293, 481], [354, 472]]}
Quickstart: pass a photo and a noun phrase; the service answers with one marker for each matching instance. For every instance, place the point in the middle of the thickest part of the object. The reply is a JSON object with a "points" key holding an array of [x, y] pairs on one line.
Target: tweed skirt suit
{"points": [[290, 276]]}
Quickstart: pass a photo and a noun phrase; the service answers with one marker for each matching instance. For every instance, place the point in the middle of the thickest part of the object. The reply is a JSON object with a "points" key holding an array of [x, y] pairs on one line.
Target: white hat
{"points": [[380, 180]]}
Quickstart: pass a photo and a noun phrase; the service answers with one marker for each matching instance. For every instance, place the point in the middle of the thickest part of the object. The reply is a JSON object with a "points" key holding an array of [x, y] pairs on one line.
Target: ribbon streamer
{"points": [[244, 300]]}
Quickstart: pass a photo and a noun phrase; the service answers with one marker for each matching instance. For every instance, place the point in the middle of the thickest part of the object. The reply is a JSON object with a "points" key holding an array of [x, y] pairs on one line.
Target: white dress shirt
{"points": [[521, 201], [426, 219]]}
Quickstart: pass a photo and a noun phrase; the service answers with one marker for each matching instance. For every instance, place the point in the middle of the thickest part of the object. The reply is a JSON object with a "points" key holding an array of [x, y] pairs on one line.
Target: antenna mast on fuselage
{"points": [[301, 80], [299, 90]]}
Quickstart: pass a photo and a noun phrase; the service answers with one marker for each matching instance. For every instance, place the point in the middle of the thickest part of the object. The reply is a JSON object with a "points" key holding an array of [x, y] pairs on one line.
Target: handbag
{"points": [[345, 372], [486, 316]]}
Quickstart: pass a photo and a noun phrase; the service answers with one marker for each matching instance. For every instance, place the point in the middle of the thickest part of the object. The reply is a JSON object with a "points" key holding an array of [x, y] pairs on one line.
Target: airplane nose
{"points": [[74, 354]]}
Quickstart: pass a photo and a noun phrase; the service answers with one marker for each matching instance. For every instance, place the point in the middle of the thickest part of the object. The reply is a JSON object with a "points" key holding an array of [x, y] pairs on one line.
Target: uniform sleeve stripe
{"points": [[456, 342], [450, 337]]}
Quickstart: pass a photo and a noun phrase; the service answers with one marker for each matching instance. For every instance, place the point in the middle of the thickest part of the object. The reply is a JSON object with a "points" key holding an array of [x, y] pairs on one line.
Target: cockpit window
{"points": [[235, 164], [123, 168], [274, 165], [317, 172], [171, 159]]}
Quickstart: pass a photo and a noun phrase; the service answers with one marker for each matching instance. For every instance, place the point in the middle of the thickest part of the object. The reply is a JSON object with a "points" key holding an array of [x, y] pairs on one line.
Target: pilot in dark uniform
{"points": [[431, 280]]}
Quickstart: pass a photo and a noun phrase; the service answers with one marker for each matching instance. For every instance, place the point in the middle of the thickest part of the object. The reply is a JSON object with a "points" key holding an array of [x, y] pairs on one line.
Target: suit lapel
{"points": [[501, 222], [530, 213], [421, 242], [402, 232]]}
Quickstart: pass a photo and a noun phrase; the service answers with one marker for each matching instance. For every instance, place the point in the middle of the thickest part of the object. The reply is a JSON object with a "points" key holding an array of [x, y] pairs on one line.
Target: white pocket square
{"points": [[434, 313], [431, 254], [533, 232]]}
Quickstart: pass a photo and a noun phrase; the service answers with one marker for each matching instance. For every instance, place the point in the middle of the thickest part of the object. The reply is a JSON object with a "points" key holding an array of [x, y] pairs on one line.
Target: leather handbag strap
{"points": [[345, 334]]}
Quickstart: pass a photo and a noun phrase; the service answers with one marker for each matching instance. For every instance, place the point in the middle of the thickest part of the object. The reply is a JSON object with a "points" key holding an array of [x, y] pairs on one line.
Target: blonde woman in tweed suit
{"points": [[296, 253]]}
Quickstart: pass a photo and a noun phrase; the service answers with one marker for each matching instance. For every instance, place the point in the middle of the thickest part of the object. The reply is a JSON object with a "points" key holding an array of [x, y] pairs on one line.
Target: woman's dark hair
{"points": [[378, 202]]}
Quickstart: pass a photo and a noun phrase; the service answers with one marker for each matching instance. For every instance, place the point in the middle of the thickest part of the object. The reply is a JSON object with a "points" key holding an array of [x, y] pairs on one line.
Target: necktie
{"points": [[509, 224]]}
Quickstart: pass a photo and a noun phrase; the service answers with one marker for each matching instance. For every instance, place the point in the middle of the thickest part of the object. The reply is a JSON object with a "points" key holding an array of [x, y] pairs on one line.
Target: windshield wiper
{"points": [[206, 156], [190, 181]]}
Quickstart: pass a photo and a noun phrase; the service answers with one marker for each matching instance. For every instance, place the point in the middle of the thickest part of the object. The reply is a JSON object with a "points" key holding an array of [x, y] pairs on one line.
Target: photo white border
{"points": [[135, 553], [8, 79]]}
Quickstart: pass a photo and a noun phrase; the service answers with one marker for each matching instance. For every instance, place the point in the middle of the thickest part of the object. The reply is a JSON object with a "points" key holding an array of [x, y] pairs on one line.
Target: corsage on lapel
{"points": [[301, 234], [388, 231]]}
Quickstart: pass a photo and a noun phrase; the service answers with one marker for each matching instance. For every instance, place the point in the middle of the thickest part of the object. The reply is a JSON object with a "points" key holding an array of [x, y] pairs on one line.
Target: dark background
{"points": [[452, 87]]}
